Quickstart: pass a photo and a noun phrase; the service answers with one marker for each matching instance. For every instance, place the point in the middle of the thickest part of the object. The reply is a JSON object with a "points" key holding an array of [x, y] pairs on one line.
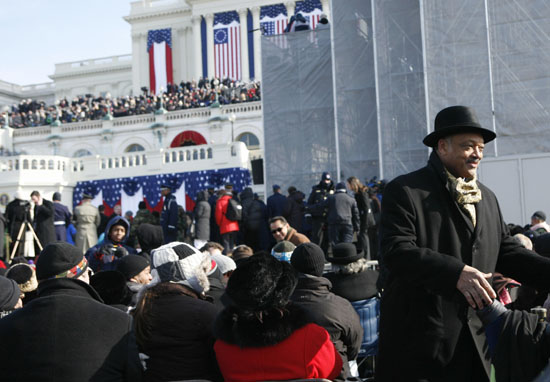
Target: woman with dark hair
{"points": [[365, 213], [261, 336]]}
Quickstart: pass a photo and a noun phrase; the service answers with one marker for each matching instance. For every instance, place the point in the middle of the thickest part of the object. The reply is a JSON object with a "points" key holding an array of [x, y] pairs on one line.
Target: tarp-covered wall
{"points": [[298, 108], [396, 64]]}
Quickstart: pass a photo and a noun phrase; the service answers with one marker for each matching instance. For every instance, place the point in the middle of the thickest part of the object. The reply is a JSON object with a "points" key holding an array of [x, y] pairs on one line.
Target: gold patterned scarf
{"points": [[466, 194]]}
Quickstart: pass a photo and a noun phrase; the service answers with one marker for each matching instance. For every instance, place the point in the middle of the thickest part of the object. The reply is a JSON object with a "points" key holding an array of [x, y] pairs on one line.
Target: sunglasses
{"points": [[280, 229]]}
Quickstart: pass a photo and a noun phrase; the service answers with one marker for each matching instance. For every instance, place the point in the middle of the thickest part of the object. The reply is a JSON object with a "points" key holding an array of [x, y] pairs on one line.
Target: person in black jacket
{"points": [[334, 313], [342, 217], [67, 333], [169, 216], [366, 214], [17, 212], [350, 276], [294, 208], [276, 202], [319, 193], [174, 318], [254, 221], [43, 220]]}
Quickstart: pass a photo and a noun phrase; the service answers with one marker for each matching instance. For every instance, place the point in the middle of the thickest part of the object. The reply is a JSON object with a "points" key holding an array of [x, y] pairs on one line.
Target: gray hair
{"points": [[351, 268], [523, 240]]}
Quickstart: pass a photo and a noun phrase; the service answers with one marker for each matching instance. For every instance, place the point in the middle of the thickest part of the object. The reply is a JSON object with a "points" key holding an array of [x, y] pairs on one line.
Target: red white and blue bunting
{"points": [[128, 192]]}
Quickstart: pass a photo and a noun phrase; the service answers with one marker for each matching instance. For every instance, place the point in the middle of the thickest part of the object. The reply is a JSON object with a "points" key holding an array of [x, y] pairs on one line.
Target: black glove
{"points": [[120, 251]]}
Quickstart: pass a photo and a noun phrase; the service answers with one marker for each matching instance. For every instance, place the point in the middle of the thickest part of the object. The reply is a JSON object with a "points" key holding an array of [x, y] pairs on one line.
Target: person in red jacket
{"points": [[228, 228], [261, 336]]}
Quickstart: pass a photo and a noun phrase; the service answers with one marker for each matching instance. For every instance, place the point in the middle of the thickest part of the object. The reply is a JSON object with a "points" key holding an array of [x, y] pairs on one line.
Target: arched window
{"points": [[133, 148], [250, 140], [82, 153]]}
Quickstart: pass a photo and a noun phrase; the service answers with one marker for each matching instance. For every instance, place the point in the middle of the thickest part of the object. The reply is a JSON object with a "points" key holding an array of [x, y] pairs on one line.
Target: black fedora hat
{"points": [[456, 120], [345, 253]]}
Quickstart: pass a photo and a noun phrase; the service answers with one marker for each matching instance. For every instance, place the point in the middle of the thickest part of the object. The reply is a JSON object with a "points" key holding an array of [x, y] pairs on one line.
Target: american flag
{"points": [[227, 45], [159, 47], [273, 19]]}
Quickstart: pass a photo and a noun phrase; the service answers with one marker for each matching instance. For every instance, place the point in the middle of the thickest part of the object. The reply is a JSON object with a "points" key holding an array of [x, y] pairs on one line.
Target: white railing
{"points": [[44, 169], [89, 64]]}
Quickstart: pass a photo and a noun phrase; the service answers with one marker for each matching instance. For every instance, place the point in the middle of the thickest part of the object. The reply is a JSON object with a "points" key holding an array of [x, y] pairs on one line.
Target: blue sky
{"points": [[37, 34]]}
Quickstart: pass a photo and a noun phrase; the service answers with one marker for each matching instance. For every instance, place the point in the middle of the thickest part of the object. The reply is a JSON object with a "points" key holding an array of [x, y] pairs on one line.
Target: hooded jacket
{"points": [[103, 257]]}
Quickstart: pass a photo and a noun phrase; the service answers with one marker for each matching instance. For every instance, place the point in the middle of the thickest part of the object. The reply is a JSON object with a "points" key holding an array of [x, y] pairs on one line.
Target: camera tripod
{"points": [[25, 224]]}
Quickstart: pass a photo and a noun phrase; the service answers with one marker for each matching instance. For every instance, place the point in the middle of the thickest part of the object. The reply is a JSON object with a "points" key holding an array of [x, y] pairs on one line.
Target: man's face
{"points": [[461, 154], [117, 209], [117, 233], [278, 230], [165, 191], [144, 277], [36, 199]]}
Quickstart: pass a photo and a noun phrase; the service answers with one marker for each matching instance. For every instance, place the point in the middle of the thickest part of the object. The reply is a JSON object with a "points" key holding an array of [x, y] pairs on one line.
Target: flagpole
{"points": [[334, 96]]}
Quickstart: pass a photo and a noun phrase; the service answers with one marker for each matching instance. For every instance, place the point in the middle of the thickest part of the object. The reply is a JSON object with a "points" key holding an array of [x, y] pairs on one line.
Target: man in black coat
{"points": [[276, 202], [343, 216], [319, 193], [43, 219], [442, 237], [67, 333], [324, 308]]}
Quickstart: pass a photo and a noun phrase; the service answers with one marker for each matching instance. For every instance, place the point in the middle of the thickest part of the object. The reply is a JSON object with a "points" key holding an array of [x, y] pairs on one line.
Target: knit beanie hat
{"points": [[308, 258], [225, 263], [261, 282], [60, 259], [282, 251], [24, 275], [181, 263], [131, 265], [9, 294]]}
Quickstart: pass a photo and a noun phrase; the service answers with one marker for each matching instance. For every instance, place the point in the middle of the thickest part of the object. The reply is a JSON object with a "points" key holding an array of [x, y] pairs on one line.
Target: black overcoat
{"points": [[68, 334], [43, 222], [426, 240]]}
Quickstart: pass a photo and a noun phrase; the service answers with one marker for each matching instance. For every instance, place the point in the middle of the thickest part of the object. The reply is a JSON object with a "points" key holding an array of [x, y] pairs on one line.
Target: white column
{"points": [[144, 59], [182, 65], [245, 70], [136, 63], [197, 67], [325, 7], [257, 42], [189, 74], [290, 7], [210, 43]]}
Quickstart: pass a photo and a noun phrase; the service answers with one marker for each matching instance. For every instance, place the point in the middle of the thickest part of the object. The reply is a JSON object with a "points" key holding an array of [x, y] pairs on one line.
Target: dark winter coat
{"points": [[334, 313], [254, 215], [15, 216], [294, 210], [426, 240], [202, 214], [366, 213], [68, 334], [181, 343], [319, 193], [43, 222], [275, 205], [354, 287], [169, 218], [342, 209]]}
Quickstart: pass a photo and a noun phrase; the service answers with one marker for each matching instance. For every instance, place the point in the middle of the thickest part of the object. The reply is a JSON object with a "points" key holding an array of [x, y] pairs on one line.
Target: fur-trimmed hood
{"points": [[245, 329]]}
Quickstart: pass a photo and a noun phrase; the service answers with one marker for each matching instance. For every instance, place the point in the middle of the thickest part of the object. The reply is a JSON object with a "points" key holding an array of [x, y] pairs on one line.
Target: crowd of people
{"points": [[242, 290], [171, 285], [186, 95]]}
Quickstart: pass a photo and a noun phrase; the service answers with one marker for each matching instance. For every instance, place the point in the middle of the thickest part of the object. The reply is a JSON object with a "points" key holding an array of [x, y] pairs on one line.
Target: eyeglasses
{"points": [[280, 229]]}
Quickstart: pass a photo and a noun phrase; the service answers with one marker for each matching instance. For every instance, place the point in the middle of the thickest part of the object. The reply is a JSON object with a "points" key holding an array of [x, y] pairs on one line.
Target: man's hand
{"points": [[474, 286]]}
